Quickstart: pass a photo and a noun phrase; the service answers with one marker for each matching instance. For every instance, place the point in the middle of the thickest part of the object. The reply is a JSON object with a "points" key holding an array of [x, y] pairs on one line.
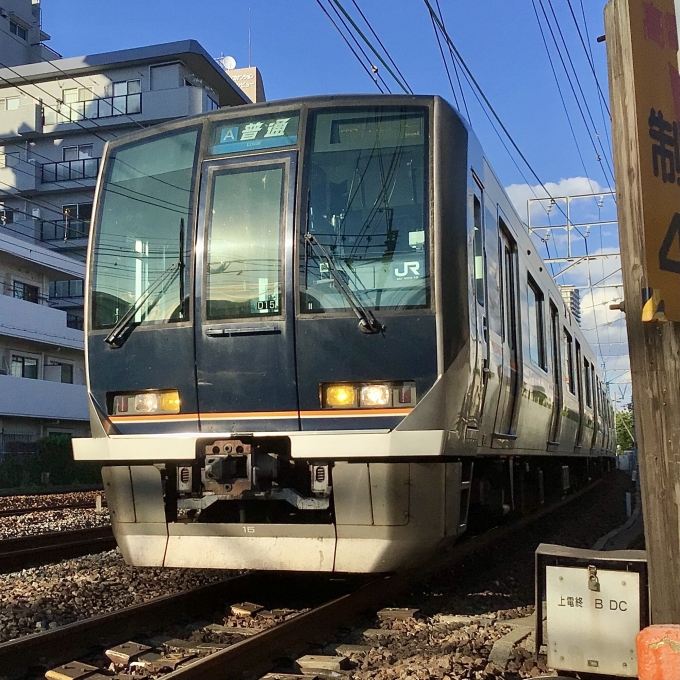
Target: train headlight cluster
{"points": [[368, 395], [159, 402]]}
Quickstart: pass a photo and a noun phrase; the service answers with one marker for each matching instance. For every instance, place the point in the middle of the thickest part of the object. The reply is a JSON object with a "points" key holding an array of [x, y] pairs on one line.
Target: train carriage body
{"points": [[319, 338]]}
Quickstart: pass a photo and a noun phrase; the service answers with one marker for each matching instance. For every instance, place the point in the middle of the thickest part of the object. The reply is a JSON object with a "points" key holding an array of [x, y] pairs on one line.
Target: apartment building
{"points": [[21, 34], [42, 372], [55, 119]]}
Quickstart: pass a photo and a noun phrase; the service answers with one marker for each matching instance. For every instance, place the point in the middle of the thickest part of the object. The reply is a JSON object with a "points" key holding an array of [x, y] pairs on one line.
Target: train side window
{"points": [[536, 324], [478, 252], [569, 358], [586, 381]]}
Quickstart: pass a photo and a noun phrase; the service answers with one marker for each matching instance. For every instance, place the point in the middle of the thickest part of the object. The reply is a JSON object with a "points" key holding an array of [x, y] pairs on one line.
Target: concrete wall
{"points": [[22, 397]]}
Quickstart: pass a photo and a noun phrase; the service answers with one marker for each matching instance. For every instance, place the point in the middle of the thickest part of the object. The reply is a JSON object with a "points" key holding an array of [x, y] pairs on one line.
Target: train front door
{"points": [[244, 334]]}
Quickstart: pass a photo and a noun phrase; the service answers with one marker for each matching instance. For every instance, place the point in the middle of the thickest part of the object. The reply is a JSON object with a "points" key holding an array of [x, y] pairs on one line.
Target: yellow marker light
{"points": [[340, 396], [376, 395], [170, 402], [146, 403]]}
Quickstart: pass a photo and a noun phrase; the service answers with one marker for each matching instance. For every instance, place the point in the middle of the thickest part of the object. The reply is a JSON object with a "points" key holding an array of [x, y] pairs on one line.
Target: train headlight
{"points": [[341, 396], [397, 394], [160, 402], [376, 395], [146, 403]]}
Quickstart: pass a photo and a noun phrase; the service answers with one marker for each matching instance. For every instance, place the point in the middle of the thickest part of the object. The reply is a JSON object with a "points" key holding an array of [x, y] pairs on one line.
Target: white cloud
{"points": [[573, 186]]}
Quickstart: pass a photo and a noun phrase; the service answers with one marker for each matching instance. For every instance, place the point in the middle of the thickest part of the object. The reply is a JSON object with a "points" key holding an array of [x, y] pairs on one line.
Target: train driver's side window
{"points": [[478, 252]]}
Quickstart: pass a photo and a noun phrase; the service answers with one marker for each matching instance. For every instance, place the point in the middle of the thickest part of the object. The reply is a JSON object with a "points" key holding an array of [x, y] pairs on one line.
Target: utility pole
{"points": [[642, 45]]}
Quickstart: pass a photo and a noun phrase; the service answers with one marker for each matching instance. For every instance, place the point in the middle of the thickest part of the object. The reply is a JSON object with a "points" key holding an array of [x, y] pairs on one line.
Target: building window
{"points": [[212, 104], [59, 371], [24, 291], [6, 216], [77, 153], [536, 325], [77, 211], [71, 95], [74, 321], [9, 160], [66, 289], [24, 367], [16, 29], [9, 103]]}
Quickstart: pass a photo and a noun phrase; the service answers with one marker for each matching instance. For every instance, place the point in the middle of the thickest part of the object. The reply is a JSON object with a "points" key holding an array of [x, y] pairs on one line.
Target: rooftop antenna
{"points": [[249, 31]]}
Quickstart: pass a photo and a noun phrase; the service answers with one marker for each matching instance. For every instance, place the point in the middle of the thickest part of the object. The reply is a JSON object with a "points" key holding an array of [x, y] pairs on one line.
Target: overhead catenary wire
{"points": [[453, 60], [403, 85], [384, 49], [371, 74], [584, 105]]}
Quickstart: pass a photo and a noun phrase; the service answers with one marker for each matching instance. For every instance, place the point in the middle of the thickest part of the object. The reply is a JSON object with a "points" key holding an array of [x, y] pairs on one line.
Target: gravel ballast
{"points": [[72, 590], [53, 520]]}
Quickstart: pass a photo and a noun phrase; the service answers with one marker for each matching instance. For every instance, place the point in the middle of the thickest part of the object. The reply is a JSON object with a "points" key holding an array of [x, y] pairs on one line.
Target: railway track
{"points": [[33, 551], [253, 654], [17, 512]]}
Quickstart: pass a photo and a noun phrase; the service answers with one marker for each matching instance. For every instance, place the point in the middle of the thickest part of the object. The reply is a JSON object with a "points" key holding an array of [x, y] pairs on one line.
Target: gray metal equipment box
{"points": [[595, 604]]}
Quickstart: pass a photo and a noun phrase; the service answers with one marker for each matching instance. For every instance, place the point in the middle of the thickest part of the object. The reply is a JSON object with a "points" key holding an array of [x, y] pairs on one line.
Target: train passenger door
{"points": [[579, 394], [505, 413], [245, 344], [482, 328], [558, 397]]}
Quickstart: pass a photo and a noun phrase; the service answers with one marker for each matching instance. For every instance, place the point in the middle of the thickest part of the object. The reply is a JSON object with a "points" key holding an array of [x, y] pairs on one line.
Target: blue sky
{"points": [[299, 52]]}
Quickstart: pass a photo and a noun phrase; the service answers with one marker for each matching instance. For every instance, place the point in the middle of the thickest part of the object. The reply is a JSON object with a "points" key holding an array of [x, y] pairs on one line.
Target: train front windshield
{"points": [[143, 243], [366, 213]]}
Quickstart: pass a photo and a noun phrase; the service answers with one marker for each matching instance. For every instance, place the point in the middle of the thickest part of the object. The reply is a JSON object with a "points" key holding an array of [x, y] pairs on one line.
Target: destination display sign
{"points": [[252, 134]]}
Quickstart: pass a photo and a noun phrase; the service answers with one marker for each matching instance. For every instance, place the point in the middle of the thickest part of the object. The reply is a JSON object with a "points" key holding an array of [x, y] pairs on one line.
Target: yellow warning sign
{"points": [[657, 95]]}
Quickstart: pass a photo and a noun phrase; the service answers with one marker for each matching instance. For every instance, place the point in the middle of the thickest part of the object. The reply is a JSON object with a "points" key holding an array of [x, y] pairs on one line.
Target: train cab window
{"points": [[142, 249], [243, 270], [478, 252], [368, 210], [536, 325], [587, 383]]}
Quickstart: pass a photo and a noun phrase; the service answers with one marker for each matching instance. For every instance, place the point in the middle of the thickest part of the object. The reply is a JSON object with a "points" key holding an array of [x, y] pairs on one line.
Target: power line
{"points": [[403, 85], [371, 75]]}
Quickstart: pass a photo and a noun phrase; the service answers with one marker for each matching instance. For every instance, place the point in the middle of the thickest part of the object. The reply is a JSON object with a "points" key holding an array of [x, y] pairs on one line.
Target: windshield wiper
{"points": [[118, 335], [367, 321]]}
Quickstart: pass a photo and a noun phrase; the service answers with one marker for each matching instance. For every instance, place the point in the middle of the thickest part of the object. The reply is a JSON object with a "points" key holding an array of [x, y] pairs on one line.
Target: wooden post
{"points": [[642, 56]]}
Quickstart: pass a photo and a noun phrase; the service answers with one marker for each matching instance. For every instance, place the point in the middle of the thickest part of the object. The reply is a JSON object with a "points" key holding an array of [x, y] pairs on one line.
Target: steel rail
{"points": [[52, 647], [32, 551], [258, 652], [16, 512]]}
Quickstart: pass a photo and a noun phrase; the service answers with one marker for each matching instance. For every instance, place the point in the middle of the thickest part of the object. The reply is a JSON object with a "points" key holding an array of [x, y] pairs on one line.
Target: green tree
{"points": [[625, 429], [54, 455]]}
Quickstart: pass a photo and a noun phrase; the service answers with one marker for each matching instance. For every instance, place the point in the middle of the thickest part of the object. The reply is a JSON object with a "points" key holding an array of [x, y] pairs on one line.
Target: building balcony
{"points": [[27, 398], [68, 171], [24, 121], [39, 323], [105, 107], [143, 107], [65, 233]]}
